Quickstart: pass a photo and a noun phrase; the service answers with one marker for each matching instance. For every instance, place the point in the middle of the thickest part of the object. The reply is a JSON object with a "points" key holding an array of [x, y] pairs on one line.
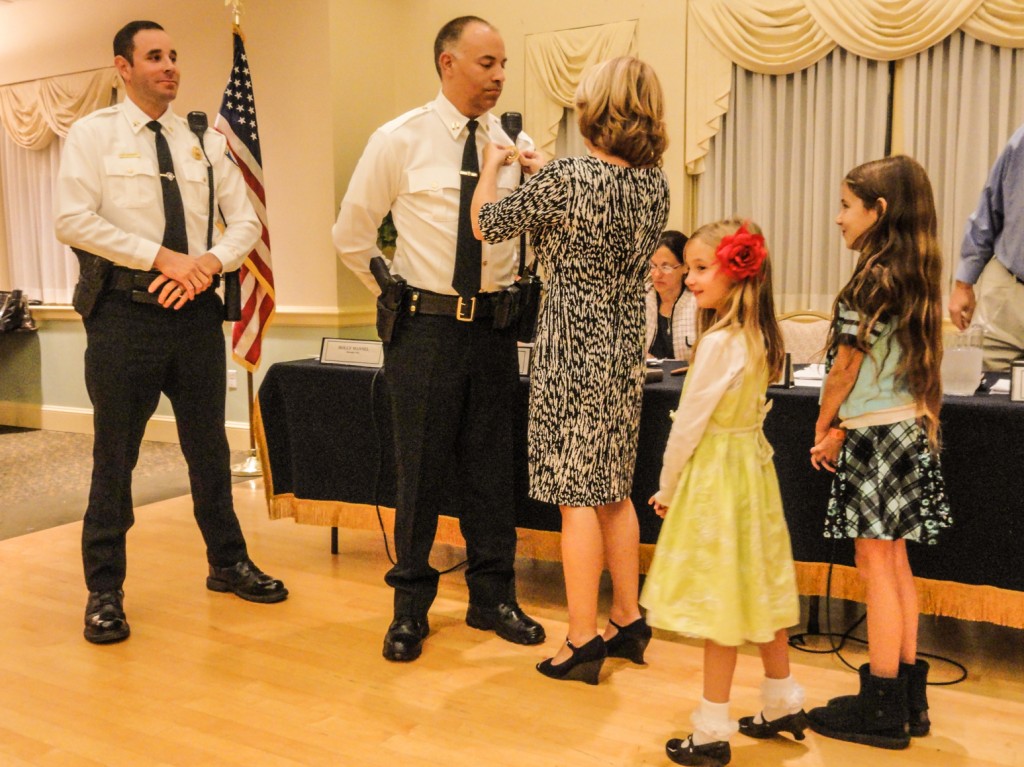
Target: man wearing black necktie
{"points": [[133, 196], [451, 375]]}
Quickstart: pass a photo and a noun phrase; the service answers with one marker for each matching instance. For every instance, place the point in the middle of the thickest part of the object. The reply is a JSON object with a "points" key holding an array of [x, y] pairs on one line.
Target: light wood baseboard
{"points": [[161, 428]]}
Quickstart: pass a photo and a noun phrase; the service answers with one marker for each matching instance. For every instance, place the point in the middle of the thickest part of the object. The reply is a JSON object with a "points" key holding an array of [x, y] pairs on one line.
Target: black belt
{"points": [[128, 280], [479, 307]]}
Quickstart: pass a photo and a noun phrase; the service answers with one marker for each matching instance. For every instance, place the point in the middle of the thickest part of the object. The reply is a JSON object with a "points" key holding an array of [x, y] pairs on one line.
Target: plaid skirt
{"points": [[888, 485]]}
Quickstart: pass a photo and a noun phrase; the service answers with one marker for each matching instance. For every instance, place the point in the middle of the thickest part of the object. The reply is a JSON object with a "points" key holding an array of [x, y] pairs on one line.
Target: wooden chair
{"points": [[804, 334]]}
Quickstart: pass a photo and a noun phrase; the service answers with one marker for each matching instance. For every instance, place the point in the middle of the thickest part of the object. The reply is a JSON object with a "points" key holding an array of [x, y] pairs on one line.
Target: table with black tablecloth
{"points": [[325, 439]]}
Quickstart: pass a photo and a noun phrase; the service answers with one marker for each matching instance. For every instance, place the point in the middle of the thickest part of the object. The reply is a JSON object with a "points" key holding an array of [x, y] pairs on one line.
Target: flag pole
{"points": [[250, 467]]}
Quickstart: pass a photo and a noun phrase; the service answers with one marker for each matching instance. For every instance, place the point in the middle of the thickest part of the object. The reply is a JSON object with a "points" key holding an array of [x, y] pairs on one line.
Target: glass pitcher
{"points": [[961, 361]]}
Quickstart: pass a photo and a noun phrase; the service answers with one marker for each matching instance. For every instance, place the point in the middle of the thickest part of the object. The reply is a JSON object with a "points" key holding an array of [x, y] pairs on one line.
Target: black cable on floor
{"points": [[376, 477], [799, 641]]}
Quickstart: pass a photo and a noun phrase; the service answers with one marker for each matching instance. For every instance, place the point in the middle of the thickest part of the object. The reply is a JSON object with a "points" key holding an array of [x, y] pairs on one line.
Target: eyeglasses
{"points": [[663, 268]]}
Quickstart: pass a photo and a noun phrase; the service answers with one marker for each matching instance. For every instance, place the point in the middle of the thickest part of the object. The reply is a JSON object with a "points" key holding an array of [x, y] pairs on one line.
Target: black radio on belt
{"points": [[93, 273], [389, 303]]}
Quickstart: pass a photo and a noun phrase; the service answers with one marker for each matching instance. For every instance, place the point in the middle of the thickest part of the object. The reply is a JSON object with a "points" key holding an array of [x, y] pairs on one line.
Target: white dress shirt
{"points": [[109, 199], [411, 167]]}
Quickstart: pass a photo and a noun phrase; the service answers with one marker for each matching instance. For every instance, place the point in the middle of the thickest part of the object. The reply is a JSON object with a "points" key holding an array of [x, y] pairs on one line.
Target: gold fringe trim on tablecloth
{"points": [[1003, 607], [948, 598]]}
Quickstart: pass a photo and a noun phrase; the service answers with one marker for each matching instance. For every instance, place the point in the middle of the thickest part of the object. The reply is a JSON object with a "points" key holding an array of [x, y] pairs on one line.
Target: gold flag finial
{"points": [[236, 10]]}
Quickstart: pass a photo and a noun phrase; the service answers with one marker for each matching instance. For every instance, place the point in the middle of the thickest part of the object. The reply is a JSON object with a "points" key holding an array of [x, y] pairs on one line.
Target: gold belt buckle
{"points": [[459, 311]]}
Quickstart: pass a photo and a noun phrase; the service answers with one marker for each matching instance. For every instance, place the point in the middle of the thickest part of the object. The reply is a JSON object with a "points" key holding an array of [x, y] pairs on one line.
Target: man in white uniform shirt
{"points": [[451, 375], [154, 322]]}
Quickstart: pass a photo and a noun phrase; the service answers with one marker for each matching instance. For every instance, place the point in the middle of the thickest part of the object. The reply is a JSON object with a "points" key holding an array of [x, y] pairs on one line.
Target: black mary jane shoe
{"points": [[630, 641], [105, 622], [584, 665], [794, 724], [245, 580], [714, 754]]}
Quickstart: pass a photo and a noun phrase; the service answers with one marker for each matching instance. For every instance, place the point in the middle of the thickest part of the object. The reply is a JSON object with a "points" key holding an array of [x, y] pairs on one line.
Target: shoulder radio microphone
{"points": [[512, 124]]}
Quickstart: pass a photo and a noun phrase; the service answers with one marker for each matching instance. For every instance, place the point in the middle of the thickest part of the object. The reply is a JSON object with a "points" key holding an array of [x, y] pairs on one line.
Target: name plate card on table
{"points": [[1017, 380], [349, 351], [785, 379], [525, 357]]}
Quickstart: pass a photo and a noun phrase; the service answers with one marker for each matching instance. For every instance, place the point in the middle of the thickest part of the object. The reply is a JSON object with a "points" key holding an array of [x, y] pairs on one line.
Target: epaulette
{"points": [[403, 119], [111, 110]]}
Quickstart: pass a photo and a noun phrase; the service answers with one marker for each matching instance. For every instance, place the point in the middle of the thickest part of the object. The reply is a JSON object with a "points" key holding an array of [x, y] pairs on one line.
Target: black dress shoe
{"points": [[508, 621], [104, 617], [404, 640], [247, 581]]}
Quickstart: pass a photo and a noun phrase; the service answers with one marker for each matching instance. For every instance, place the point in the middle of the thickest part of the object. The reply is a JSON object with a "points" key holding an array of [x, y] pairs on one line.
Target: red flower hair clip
{"points": [[741, 254]]}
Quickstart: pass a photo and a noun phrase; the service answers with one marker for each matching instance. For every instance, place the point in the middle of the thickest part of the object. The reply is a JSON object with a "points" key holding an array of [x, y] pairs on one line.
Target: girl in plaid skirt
{"points": [[877, 430]]}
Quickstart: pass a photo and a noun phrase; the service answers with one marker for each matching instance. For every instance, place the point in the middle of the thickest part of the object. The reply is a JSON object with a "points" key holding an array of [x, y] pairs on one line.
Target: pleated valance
{"points": [[34, 112], [779, 37], [555, 61]]}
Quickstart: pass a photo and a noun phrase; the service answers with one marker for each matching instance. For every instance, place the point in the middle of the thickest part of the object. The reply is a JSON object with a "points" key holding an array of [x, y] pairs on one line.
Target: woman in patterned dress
{"points": [[595, 222]]}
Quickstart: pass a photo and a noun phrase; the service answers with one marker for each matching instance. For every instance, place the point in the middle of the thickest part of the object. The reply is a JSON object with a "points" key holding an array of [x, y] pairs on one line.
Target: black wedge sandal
{"points": [[631, 641], [584, 665]]}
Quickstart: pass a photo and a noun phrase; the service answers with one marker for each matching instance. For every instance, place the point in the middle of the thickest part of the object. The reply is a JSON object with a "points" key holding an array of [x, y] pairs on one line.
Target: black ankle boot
{"points": [[916, 675], [794, 724], [584, 665], [631, 641], [876, 716]]}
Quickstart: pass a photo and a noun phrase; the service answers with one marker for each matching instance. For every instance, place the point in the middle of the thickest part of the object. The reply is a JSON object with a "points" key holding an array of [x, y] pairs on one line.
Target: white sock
{"points": [[779, 697], [711, 723]]}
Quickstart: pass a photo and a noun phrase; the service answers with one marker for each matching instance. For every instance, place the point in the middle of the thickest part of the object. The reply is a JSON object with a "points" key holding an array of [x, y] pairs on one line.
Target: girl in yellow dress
{"points": [[723, 566]]}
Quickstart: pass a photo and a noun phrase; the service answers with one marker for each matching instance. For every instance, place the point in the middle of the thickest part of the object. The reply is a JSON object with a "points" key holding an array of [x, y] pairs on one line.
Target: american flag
{"points": [[237, 121]]}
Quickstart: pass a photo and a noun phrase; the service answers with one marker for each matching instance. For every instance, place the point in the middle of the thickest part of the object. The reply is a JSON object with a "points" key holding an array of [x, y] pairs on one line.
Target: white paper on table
{"points": [[810, 372]]}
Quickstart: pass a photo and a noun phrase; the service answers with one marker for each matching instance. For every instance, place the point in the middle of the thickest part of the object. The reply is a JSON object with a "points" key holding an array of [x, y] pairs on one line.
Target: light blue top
{"points": [[997, 226], [876, 387]]}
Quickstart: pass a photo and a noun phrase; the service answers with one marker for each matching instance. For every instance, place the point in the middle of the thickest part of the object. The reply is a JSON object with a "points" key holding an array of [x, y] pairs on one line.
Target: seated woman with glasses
{"points": [[671, 308]]}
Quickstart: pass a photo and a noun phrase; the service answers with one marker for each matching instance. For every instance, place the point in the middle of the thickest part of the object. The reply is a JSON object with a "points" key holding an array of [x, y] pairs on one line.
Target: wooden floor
{"points": [[207, 679]]}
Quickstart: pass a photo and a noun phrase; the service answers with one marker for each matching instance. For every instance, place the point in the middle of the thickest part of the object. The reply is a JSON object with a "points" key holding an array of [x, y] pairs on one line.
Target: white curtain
{"points": [[569, 142], [786, 143], [36, 263], [961, 100]]}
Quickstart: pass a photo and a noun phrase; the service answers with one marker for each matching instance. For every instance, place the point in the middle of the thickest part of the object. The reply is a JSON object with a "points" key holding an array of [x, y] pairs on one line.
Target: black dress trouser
{"points": [[136, 351], [452, 389]]}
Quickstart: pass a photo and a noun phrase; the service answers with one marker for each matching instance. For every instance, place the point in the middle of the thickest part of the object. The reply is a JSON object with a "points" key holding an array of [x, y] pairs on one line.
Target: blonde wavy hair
{"points": [[749, 306], [620, 108]]}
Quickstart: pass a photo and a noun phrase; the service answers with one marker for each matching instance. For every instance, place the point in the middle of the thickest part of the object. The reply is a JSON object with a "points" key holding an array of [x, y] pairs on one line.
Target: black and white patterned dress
{"points": [[594, 226]]}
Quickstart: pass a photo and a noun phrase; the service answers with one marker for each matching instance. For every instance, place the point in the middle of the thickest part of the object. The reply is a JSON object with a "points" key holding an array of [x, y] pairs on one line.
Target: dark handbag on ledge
{"points": [[14, 312]]}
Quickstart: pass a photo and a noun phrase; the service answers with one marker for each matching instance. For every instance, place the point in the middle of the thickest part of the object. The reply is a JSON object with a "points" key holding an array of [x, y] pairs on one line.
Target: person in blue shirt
{"points": [[994, 244]]}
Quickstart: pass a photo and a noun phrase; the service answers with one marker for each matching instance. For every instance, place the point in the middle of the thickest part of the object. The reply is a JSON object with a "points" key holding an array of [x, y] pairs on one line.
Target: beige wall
{"points": [[327, 73], [287, 43], [400, 75]]}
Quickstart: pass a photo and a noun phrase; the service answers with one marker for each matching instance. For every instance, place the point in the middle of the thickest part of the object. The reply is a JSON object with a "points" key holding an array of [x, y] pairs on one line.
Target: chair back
{"points": [[804, 334]]}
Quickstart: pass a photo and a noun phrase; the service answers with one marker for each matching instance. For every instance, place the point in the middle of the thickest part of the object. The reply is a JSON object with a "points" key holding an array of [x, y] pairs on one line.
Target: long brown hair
{"points": [[750, 304], [898, 275]]}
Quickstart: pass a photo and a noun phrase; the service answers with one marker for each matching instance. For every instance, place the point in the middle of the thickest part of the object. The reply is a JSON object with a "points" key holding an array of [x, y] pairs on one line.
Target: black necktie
{"points": [[466, 280], [175, 237]]}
